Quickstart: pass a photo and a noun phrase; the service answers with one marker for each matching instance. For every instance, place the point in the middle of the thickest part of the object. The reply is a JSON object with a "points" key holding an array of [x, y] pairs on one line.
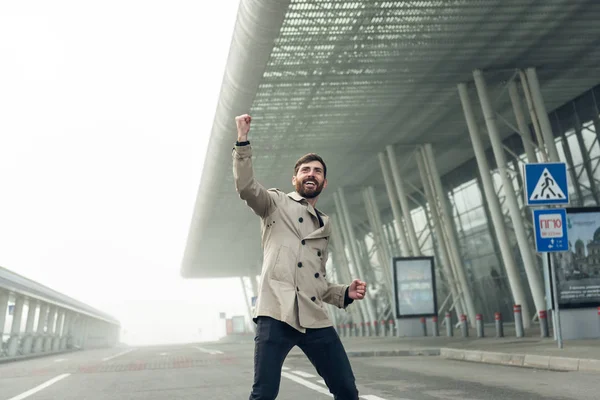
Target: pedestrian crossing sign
{"points": [[546, 184]]}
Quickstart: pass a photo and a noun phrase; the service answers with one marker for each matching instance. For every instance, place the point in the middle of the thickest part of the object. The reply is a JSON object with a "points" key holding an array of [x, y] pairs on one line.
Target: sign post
{"points": [[546, 185]]}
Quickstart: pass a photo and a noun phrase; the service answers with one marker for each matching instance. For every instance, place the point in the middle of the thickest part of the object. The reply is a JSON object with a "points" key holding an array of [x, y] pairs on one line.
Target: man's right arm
{"points": [[249, 189]]}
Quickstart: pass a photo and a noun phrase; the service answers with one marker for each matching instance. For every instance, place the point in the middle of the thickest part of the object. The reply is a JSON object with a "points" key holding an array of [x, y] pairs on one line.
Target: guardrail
{"points": [[37, 320]]}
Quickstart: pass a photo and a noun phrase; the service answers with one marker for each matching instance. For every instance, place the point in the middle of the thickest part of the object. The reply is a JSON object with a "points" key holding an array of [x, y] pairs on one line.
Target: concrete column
{"points": [[58, 330], [514, 278], [521, 122], [344, 266], [3, 313], [50, 332], [534, 119], [394, 204], [447, 267], [350, 239], [535, 283], [15, 333], [542, 114], [383, 253], [42, 321], [447, 223], [27, 346], [64, 337], [399, 184]]}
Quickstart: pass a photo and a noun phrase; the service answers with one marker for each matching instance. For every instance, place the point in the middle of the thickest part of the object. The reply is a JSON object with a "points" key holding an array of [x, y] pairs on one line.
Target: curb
{"points": [[385, 353], [35, 355], [523, 360]]}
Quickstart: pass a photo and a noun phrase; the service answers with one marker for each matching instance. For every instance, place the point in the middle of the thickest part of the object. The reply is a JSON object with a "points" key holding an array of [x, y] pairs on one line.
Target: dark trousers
{"points": [[274, 340]]}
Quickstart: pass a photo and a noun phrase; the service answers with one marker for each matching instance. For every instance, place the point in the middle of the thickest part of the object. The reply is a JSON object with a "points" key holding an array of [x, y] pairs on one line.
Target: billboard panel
{"points": [[414, 286], [578, 269]]}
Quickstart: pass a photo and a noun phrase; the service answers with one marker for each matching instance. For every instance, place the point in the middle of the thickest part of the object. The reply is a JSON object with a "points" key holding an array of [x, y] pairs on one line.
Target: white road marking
{"points": [[209, 351], [285, 368], [306, 383], [118, 355], [60, 359], [163, 354], [304, 374], [320, 389], [39, 388]]}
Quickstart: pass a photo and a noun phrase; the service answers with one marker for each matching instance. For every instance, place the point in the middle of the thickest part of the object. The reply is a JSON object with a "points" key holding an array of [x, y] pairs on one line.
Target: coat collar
{"points": [[324, 231]]}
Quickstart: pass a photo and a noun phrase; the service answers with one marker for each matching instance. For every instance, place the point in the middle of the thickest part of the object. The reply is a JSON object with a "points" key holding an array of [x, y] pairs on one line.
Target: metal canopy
{"points": [[346, 78]]}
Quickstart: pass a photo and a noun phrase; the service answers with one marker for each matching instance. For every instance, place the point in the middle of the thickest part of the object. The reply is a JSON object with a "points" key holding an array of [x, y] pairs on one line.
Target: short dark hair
{"points": [[308, 158]]}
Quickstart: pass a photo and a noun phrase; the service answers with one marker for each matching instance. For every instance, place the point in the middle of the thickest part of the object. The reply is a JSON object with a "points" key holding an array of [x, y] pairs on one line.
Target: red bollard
{"points": [[464, 324], [436, 328], [392, 327], [424, 326], [499, 326], [479, 322], [518, 321], [544, 330]]}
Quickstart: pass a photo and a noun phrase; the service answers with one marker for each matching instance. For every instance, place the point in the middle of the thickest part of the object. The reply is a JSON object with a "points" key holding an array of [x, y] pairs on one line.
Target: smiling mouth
{"points": [[310, 185]]}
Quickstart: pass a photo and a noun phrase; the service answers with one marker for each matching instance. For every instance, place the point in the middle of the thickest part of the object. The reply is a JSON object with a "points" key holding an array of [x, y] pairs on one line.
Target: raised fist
{"points": [[243, 126]]}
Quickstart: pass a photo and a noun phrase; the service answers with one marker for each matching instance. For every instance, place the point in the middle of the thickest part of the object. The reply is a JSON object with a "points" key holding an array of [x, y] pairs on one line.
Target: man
{"points": [[290, 309]]}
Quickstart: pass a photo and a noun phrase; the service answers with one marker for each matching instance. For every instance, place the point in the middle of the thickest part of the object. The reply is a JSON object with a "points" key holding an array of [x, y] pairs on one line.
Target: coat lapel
{"points": [[322, 232]]}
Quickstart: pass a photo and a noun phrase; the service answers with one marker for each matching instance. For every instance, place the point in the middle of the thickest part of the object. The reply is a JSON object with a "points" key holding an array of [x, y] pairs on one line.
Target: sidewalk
{"points": [[532, 352]]}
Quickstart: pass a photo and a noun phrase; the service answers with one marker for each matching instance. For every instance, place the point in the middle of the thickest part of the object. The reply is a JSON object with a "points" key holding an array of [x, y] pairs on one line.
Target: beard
{"points": [[311, 192]]}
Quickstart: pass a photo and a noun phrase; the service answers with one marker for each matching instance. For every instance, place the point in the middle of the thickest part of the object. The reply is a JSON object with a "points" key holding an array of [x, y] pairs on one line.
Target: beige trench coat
{"points": [[293, 285]]}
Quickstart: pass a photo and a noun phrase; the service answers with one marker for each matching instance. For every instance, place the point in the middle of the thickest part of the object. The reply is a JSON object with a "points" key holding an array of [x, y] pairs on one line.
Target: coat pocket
{"points": [[283, 267]]}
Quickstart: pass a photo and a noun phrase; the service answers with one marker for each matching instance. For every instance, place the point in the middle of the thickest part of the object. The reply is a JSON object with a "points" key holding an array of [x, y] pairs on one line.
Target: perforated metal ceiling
{"points": [[344, 79]]}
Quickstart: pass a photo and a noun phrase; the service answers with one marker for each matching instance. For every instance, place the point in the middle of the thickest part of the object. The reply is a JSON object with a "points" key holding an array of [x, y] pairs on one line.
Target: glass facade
{"points": [[575, 127]]}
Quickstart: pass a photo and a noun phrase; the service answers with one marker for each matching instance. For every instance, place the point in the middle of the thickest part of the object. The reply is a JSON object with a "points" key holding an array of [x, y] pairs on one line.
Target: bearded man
{"points": [[293, 289]]}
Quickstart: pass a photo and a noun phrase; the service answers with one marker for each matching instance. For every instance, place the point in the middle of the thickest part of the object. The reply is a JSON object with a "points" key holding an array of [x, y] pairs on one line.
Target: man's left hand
{"points": [[357, 290]]}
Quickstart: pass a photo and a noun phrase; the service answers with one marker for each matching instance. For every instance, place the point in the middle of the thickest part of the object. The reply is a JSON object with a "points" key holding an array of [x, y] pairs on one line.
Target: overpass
{"points": [[42, 321], [425, 112]]}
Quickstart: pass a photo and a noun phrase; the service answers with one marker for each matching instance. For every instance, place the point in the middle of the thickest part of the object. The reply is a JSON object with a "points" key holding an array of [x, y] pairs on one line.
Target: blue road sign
{"points": [[546, 184], [550, 226]]}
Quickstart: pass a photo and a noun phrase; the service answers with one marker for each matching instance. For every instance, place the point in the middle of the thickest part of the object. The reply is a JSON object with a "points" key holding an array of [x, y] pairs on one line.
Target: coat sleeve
{"points": [[259, 199], [335, 293]]}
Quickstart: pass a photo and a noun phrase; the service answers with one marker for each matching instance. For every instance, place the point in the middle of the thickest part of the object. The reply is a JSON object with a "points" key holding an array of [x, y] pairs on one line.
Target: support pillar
{"points": [[15, 333], [66, 330], [344, 267], [60, 320], [512, 271], [446, 216], [50, 331], [529, 260], [542, 115], [533, 116], [394, 204], [27, 346], [408, 222], [3, 313], [521, 122], [383, 252], [346, 223], [447, 267], [42, 321]]}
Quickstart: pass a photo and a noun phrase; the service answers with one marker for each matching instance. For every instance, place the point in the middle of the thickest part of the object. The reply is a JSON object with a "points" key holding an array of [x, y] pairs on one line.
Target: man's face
{"points": [[310, 180]]}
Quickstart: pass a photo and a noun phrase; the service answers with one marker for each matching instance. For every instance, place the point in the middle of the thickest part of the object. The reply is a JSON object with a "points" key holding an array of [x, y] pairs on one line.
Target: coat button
{"points": [[317, 275], [297, 288], [313, 298], [300, 219], [299, 265], [319, 253], [303, 242]]}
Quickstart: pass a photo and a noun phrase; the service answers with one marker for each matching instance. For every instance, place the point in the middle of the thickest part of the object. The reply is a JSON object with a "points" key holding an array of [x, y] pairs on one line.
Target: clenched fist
{"points": [[243, 126]]}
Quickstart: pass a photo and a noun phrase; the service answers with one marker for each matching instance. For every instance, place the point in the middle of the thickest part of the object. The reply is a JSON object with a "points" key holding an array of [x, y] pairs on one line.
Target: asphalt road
{"points": [[217, 371]]}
